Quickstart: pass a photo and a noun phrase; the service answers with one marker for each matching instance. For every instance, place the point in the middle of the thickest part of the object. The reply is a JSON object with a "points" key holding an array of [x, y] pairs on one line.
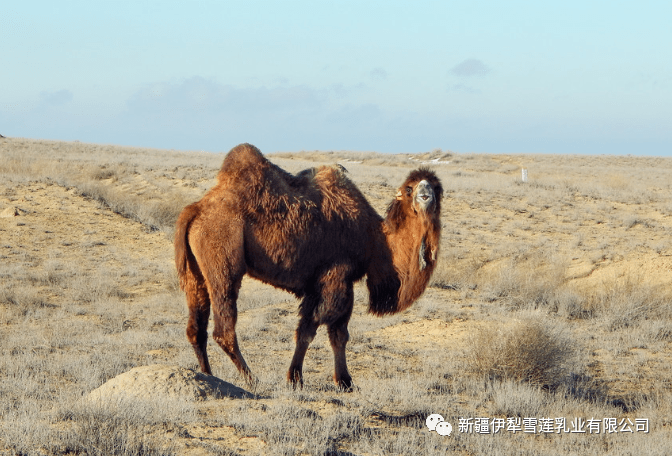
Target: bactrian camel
{"points": [[312, 234]]}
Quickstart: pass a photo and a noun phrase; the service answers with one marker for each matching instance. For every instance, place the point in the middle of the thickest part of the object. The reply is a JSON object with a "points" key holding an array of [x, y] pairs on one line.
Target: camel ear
{"points": [[399, 195]]}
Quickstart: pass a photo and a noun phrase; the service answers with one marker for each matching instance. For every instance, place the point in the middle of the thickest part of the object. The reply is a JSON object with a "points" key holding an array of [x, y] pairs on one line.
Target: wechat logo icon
{"points": [[435, 422]]}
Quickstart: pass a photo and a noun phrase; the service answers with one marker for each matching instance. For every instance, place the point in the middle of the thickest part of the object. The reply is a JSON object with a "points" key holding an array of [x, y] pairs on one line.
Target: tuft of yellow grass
{"points": [[531, 350]]}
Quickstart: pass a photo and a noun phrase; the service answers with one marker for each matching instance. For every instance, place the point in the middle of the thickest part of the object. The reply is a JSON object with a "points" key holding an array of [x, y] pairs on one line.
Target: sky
{"points": [[572, 77]]}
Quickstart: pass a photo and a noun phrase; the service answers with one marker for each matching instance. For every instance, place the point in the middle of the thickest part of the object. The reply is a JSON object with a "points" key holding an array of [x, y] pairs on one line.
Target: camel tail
{"points": [[182, 249]]}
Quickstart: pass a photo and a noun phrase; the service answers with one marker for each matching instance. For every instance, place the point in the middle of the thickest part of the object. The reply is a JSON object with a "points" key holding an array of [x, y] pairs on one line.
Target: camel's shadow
{"points": [[221, 389]]}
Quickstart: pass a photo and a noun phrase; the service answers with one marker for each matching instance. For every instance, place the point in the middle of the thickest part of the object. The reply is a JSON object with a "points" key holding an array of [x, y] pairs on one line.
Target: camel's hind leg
{"points": [[225, 314], [217, 243], [198, 302]]}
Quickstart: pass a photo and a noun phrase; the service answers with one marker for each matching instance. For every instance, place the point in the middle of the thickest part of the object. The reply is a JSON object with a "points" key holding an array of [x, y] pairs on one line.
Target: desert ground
{"points": [[549, 315]]}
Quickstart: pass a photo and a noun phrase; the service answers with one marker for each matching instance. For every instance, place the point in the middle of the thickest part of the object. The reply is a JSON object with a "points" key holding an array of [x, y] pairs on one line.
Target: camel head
{"points": [[419, 195], [422, 196], [412, 231]]}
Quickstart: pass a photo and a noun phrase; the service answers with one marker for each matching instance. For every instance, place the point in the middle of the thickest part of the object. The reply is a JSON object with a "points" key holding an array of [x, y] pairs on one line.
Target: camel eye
{"points": [[409, 190]]}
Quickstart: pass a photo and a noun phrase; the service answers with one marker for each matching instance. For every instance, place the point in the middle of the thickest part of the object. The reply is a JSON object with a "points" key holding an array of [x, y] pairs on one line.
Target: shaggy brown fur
{"points": [[312, 234]]}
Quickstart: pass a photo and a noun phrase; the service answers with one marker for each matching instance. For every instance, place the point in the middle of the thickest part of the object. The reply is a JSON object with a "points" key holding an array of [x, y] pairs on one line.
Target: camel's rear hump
{"points": [[240, 157]]}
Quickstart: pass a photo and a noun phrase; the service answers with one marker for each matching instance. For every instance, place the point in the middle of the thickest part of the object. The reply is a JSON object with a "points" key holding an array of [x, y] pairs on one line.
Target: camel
{"points": [[313, 234]]}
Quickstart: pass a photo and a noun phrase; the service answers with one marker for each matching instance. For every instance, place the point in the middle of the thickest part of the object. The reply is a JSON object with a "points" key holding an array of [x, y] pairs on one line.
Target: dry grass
{"points": [[551, 299], [531, 350]]}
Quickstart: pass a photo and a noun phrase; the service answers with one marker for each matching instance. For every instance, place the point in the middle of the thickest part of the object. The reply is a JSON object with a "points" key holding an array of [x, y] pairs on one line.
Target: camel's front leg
{"points": [[305, 333], [334, 310], [338, 336]]}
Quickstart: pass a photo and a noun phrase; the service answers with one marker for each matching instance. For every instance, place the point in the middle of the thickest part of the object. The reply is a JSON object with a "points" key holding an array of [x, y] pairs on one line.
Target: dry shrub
{"points": [[21, 303], [510, 398], [22, 432], [124, 427], [79, 426], [294, 429], [626, 300], [570, 303], [532, 350], [530, 279]]}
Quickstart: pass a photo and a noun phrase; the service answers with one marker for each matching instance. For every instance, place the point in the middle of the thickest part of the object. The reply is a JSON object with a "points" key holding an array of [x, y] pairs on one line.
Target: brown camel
{"points": [[312, 234]]}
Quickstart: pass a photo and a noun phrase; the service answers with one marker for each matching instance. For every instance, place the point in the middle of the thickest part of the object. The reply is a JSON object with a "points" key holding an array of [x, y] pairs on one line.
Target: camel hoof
{"points": [[252, 382], [344, 384], [294, 379]]}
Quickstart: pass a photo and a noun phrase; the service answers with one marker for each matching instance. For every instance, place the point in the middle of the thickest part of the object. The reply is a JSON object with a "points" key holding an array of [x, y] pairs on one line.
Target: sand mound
{"points": [[10, 212], [165, 381]]}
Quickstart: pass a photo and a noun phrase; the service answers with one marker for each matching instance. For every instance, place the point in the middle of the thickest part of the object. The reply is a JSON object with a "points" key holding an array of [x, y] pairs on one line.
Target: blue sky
{"points": [[590, 77]]}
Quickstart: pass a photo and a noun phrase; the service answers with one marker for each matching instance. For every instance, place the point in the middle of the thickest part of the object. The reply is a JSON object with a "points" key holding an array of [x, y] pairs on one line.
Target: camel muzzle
{"points": [[424, 195]]}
